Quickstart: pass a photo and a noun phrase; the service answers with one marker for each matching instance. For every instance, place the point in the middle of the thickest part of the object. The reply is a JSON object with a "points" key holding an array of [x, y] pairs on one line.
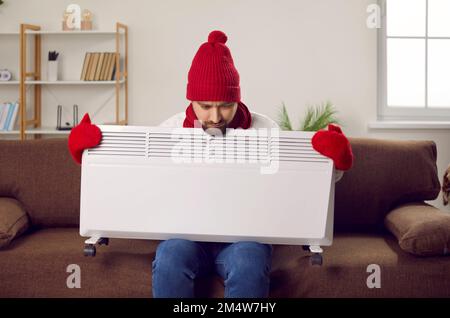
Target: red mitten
{"points": [[84, 135], [332, 143]]}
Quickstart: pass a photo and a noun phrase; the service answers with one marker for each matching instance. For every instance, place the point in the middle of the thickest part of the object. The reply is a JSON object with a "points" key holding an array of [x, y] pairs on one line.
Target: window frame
{"points": [[386, 112]]}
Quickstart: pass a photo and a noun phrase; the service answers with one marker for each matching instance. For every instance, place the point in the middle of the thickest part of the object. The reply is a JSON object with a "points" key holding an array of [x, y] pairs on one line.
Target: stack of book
{"points": [[8, 115], [99, 66]]}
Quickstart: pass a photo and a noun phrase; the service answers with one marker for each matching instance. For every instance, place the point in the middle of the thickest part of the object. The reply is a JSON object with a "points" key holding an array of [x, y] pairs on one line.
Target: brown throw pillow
{"points": [[13, 220], [420, 228]]}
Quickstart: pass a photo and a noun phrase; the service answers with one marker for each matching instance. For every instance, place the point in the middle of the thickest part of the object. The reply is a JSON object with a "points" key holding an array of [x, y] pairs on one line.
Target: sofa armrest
{"points": [[420, 228], [13, 220]]}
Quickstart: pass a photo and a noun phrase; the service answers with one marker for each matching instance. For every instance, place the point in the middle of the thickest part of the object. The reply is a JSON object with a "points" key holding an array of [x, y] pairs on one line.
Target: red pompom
{"points": [[217, 37]]}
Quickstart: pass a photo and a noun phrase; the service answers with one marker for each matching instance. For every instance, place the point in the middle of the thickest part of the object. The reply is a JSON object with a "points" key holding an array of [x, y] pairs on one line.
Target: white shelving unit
{"points": [[33, 78]]}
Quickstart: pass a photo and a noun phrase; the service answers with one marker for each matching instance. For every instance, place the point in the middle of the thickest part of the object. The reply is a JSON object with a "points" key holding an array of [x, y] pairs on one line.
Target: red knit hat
{"points": [[212, 76]]}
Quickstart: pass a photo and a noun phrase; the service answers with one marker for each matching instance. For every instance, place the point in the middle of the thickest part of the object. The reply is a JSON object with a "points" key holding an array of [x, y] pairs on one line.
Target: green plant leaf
{"points": [[318, 117], [309, 116], [283, 119]]}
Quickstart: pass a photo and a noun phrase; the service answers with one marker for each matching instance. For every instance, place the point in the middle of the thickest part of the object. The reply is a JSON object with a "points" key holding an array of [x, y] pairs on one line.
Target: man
{"points": [[214, 91]]}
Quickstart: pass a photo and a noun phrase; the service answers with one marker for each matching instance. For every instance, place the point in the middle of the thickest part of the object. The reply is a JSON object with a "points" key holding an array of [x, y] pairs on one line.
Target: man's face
{"points": [[215, 115]]}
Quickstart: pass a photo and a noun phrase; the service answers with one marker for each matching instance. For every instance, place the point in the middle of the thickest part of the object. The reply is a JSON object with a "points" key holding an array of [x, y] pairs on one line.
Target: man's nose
{"points": [[215, 116]]}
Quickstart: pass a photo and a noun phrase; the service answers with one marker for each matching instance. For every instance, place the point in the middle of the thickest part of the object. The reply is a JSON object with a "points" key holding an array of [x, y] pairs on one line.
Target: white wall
{"points": [[302, 52]]}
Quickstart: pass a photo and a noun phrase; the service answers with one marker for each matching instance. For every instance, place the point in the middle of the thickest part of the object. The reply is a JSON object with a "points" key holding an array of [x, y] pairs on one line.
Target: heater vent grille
{"points": [[121, 144], [294, 149], [161, 143], [207, 147]]}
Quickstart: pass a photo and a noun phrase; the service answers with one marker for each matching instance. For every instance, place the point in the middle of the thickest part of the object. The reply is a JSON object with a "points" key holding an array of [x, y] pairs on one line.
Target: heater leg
{"points": [[103, 241], [89, 247], [93, 240], [316, 257], [89, 250], [315, 249]]}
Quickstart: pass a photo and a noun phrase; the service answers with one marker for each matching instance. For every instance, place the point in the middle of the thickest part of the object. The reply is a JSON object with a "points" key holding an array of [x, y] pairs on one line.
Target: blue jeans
{"points": [[244, 267]]}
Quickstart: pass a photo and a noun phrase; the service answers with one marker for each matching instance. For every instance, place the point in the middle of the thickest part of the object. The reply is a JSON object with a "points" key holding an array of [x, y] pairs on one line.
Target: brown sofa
{"points": [[44, 180]]}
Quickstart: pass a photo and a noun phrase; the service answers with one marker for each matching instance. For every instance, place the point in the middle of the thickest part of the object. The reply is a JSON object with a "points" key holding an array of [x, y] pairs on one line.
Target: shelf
{"points": [[46, 130], [40, 130], [73, 82], [72, 32], [64, 82], [51, 130], [9, 132], [47, 32]]}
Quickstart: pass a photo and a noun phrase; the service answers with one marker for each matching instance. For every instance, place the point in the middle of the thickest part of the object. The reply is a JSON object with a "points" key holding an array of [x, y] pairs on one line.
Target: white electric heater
{"points": [[262, 185]]}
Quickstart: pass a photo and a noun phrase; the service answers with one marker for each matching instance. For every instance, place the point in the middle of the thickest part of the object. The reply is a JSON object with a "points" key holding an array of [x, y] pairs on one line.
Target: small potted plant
{"points": [[316, 118]]}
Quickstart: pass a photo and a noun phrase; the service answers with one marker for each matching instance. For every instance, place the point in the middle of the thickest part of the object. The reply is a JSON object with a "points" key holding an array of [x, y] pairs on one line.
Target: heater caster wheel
{"points": [[316, 259], [89, 250], [305, 247], [103, 241]]}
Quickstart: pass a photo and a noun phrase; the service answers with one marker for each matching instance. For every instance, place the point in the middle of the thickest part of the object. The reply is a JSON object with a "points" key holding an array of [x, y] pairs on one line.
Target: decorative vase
{"points": [[52, 71], [86, 25], [65, 27]]}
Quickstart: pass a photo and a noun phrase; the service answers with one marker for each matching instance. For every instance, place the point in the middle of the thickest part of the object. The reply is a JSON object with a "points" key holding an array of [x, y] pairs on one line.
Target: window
{"points": [[414, 60]]}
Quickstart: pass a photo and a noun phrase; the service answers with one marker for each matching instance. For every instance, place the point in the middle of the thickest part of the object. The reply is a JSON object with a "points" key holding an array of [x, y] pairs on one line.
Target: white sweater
{"points": [[258, 121]]}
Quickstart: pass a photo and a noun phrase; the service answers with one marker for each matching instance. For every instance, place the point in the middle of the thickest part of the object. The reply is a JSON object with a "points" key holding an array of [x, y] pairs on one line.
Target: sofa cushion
{"points": [[351, 262], [420, 228], [41, 174], [385, 173], [35, 265], [13, 220]]}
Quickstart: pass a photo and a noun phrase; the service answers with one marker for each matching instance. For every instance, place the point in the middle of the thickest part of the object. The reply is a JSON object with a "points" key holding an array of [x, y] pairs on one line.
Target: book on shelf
{"points": [[99, 66], [105, 70], [87, 58], [8, 116], [101, 57], [93, 67]]}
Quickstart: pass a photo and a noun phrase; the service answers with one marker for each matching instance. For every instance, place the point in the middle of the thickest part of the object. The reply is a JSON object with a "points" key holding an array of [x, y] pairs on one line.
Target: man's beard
{"points": [[213, 129]]}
